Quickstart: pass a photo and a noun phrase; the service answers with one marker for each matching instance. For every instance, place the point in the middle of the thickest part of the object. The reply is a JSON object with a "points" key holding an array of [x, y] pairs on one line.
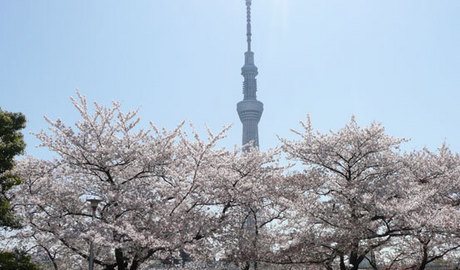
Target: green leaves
{"points": [[16, 260], [11, 145], [11, 139]]}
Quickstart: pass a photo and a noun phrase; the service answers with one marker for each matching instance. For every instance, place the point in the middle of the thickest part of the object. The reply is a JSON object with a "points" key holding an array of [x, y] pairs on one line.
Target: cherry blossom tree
{"points": [[157, 190], [254, 207], [354, 198], [430, 207], [341, 208], [360, 199]]}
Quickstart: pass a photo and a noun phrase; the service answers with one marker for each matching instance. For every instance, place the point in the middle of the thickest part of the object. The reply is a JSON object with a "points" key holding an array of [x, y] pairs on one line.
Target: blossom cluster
{"points": [[170, 197]]}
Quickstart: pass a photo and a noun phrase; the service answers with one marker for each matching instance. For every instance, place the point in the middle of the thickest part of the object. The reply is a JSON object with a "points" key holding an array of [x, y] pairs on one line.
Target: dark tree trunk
{"points": [[342, 263], [120, 259], [355, 259], [134, 265], [424, 261]]}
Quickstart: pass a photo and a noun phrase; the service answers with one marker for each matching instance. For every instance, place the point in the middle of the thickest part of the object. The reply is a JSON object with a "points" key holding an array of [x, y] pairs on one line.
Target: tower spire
{"points": [[248, 25], [249, 109]]}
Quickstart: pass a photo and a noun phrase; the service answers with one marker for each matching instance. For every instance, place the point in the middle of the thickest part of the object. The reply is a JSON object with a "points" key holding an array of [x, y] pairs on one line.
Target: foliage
{"points": [[11, 144], [16, 260]]}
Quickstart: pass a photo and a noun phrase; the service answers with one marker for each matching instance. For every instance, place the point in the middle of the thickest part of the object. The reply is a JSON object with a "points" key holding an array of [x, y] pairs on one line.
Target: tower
{"points": [[249, 109]]}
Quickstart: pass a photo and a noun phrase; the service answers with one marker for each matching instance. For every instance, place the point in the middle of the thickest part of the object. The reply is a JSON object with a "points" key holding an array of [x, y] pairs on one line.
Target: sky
{"points": [[396, 62]]}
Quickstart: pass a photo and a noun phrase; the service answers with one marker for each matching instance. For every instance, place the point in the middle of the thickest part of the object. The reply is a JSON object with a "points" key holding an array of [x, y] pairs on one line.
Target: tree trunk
{"points": [[342, 263], [424, 261], [355, 259], [120, 259], [134, 265]]}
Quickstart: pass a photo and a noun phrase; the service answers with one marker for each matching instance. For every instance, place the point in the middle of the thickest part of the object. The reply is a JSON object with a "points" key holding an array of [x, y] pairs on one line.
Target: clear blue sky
{"points": [[392, 61]]}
